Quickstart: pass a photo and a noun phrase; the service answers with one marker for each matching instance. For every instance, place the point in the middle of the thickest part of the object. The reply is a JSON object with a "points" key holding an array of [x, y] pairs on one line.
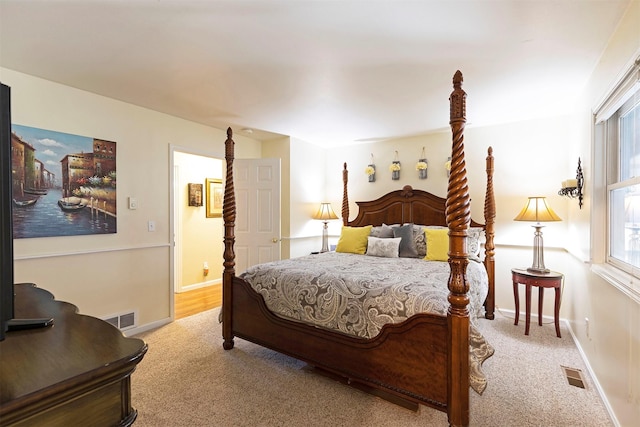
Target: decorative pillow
{"points": [[382, 231], [383, 247], [418, 237], [407, 244], [473, 241], [353, 239], [437, 244], [474, 235]]}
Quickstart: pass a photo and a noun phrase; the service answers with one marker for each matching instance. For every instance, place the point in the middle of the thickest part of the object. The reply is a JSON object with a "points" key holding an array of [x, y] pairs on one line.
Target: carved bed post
{"points": [[345, 196], [229, 216], [458, 219], [489, 246]]}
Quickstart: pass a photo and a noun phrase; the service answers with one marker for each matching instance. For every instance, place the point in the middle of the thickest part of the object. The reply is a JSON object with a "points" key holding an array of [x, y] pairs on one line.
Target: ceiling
{"points": [[327, 72]]}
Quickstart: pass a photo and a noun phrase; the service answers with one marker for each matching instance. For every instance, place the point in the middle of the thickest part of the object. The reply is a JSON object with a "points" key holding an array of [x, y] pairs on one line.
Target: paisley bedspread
{"points": [[358, 294]]}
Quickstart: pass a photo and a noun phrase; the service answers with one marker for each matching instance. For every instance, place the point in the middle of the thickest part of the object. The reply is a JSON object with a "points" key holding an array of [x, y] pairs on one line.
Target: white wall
{"points": [[612, 341], [307, 191], [129, 270]]}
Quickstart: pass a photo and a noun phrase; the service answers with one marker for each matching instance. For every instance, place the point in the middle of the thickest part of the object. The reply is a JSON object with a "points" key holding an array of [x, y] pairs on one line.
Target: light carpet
{"points": [[187, 379]]}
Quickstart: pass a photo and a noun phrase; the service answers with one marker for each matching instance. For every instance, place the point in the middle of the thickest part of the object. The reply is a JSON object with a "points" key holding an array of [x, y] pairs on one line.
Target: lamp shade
{"points": [[325, 212], [537, 210]]}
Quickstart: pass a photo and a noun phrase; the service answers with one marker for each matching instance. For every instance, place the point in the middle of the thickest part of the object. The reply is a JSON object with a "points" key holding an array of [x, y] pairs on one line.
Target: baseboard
{"points": [[147, 327], [200, 285], [596, 383], [523, 316]]}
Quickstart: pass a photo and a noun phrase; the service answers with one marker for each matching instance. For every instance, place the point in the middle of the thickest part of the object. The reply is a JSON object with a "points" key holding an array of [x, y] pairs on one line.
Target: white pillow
{"points": [[387, 247]]}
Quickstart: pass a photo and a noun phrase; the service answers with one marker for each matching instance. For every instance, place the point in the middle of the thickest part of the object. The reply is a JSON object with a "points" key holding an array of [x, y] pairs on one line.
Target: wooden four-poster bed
{"points": [[421, 359]]}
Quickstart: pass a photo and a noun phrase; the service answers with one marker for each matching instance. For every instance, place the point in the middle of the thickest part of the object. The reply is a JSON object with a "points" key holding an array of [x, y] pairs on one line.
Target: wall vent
{"points": [[122, 321], [574, 377]]}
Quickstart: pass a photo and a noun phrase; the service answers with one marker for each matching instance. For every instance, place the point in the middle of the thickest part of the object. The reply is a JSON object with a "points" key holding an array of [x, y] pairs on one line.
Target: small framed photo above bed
{"points": [[215, 196]]}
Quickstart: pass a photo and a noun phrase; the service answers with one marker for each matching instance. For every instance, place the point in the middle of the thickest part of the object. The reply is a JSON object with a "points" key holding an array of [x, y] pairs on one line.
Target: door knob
{"points": [[274, 240]]}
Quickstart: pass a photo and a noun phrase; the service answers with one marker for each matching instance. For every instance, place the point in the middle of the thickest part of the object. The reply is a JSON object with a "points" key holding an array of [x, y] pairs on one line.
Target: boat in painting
{"points": [[72, 204], [36, 191], [25, 202]]}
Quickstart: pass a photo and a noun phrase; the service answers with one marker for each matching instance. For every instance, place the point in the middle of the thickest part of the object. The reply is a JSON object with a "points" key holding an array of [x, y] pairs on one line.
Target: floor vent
{"points": [[574, 377], [122, 321]]}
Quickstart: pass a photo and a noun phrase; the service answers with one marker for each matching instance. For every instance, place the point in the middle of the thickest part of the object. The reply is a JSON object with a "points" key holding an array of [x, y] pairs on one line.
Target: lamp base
{"points": [[325, 238], [538, 270], [537, 266]]}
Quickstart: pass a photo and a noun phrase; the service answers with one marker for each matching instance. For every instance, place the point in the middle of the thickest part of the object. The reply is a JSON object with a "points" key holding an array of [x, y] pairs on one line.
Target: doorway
{"points": [[196, 272]]}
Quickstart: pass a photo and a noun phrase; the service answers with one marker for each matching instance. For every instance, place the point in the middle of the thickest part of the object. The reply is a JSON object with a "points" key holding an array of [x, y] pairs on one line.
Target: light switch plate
{"points": [[133, 203]]}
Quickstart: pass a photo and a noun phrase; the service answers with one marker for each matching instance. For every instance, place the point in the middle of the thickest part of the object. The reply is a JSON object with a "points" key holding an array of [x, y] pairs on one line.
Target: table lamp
{"points": [[325, 213], [536, 210]]}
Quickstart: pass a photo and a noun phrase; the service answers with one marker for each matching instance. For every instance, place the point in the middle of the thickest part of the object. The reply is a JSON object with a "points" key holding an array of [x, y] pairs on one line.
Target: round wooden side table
{"points": [[552, 279]]}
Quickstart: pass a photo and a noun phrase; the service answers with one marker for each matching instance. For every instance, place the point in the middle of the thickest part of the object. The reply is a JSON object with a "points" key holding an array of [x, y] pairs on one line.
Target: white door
{"points": [[257, 231]]}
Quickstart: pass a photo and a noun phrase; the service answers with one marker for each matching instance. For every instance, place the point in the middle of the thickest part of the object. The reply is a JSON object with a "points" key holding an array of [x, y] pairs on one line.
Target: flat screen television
{"points": [[7, 318], [6, 220]]}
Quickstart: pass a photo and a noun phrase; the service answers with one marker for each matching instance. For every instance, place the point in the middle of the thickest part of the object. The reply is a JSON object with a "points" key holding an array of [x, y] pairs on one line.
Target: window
{"points": [[617, 143], [623, 188]]}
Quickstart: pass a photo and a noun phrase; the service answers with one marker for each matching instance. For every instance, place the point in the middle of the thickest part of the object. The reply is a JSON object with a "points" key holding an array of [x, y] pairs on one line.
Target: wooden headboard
{"points": [[408, 205]]}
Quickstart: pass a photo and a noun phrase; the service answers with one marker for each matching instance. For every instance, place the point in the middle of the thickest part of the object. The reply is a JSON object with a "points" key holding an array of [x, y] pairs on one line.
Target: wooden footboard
{"points": [[406, 360]]}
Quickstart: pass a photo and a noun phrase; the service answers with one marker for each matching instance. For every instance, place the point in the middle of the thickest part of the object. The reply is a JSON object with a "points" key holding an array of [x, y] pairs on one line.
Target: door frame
{"points": [[173, 205]]}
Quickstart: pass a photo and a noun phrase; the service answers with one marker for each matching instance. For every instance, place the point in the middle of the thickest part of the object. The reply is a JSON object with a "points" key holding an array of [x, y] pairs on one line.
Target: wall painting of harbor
{"points": [[63, 184]]}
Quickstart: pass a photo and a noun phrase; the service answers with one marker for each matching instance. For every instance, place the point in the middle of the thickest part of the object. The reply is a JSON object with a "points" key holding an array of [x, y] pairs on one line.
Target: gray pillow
{"points": [[382, 231], [407, 244]]}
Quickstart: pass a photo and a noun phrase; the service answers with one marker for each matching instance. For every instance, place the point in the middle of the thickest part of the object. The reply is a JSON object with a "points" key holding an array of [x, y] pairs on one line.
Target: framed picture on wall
{"points": [[215, 196], [63, 184], [195, 194]]}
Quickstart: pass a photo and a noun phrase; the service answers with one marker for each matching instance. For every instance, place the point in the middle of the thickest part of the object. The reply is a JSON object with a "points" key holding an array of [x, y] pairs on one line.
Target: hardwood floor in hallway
{"points": [[198, 300]]}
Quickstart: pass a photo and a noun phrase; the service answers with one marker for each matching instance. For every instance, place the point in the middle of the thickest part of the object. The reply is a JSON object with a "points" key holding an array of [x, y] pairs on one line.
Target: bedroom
{"points": [[540, 167]]}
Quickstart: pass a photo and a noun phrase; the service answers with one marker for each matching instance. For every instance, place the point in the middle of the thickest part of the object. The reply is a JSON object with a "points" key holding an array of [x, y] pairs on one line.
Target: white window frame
{"points": [[621, 275]]}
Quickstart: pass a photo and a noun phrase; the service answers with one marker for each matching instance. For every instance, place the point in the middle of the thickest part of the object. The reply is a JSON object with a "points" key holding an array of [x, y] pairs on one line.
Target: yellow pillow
{"points": [[437, 244], [353, 240]]}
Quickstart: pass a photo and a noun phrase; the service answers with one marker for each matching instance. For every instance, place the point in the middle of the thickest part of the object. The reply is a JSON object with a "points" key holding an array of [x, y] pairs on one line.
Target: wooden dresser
{"points": [[76, 372]]}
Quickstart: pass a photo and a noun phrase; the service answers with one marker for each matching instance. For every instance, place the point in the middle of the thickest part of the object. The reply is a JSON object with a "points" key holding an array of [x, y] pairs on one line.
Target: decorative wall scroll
{"points": [[422, 165], [394, 167], [370, 170]]}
